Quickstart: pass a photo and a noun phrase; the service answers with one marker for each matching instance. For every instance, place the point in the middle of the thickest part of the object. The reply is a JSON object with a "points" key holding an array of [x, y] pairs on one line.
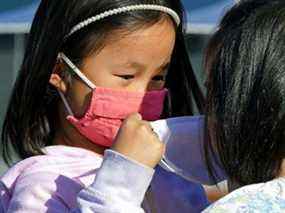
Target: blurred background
{"points": [[16, 17]]}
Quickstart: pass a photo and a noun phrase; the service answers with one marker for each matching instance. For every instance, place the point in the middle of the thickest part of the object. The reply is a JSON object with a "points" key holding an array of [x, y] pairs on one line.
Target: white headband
{"points": [[112, 12]]}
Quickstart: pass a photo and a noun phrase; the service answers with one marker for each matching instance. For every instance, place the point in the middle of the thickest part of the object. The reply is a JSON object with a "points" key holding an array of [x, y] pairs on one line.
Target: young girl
{"points": [[246, 106], [88, 65]]}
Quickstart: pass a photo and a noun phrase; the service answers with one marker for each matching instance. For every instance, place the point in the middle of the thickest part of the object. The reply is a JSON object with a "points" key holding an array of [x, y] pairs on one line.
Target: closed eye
{"points": [[126, 77], [162, 75], [158, 78]]}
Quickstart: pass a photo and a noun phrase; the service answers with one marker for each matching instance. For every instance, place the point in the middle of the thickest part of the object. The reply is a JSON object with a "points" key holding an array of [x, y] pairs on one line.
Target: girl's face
{"points": [[137, 61]]}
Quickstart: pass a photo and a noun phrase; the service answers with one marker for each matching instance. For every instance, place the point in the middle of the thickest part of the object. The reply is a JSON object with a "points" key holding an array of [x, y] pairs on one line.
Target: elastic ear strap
{"points": [[76, 70], [166, 166], [120, 10], [65, 103]]}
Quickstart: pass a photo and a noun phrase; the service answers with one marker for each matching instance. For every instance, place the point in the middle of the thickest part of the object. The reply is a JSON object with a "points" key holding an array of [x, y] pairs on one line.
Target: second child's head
{"points": [[246, 92]]}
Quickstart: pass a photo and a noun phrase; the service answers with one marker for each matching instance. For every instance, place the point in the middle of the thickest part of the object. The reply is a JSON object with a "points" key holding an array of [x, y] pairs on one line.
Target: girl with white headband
{"points": [[88, 66], [245, 117]]}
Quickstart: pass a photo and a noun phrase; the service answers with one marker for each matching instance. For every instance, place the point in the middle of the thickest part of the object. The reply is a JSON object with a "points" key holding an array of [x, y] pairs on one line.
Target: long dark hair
{"points": [[245, 62], [29, 124]]}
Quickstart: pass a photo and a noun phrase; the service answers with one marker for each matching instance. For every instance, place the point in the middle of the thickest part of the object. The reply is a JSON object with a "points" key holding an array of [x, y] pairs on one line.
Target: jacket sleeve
{"points": [[119, 186]]}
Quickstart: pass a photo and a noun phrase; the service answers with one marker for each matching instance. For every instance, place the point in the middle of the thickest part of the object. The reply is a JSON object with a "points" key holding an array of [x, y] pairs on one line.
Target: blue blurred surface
{"points": [[206, 11], [202, 14], [23, 13]]}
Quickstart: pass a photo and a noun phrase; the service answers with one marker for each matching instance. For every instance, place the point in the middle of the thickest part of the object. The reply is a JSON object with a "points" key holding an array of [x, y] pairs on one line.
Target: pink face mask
{"points": [[109, 107]]}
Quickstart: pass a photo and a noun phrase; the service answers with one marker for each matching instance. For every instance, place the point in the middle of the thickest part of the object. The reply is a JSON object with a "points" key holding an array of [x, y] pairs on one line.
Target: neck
{"points": [[67, 135], [62, 139]]}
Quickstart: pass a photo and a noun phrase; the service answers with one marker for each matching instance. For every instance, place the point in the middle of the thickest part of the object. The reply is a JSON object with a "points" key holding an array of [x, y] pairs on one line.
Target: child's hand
{"points": [[137, 141]]}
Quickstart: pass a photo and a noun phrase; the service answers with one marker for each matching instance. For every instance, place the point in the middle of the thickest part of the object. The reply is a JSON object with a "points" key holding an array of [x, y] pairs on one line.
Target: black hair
{"points": [[245, 104], [30, 121]]}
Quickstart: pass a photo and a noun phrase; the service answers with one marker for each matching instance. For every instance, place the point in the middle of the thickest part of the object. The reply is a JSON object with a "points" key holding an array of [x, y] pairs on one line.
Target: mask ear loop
{"points": [[166, 166], [67, 107], [62, 56], [65, 103], [170, 167], [76, 70]]}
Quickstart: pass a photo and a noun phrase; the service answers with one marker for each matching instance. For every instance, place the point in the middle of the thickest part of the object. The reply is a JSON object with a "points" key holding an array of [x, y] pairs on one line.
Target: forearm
{"points": [[119, 186]]}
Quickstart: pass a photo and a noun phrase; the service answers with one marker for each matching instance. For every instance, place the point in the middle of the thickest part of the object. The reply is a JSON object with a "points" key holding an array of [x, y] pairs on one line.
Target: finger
{"points": [[147, 125], [155, 134], [150, 129], [135, 116]]}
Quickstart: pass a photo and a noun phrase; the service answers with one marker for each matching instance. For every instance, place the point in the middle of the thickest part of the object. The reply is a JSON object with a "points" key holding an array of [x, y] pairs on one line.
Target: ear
{"points": [[56, 80]]}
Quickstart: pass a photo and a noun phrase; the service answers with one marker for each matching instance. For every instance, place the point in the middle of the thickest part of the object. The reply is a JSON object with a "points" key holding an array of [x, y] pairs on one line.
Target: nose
{"points": [[141, 86], [147, 86], [145, 82]]}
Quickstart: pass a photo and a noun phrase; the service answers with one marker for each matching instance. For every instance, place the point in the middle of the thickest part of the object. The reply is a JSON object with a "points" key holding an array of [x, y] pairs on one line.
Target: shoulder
{"points": [[44, 190], [263, 197], [47, 179], [61, 160]]}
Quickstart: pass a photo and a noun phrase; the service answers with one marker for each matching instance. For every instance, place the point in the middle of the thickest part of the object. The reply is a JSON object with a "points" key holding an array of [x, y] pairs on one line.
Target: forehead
{"points": [[149, 43]]}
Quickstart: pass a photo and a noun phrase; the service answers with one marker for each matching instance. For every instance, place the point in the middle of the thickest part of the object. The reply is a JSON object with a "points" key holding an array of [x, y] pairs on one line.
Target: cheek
{"points": [[79, 96]]}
